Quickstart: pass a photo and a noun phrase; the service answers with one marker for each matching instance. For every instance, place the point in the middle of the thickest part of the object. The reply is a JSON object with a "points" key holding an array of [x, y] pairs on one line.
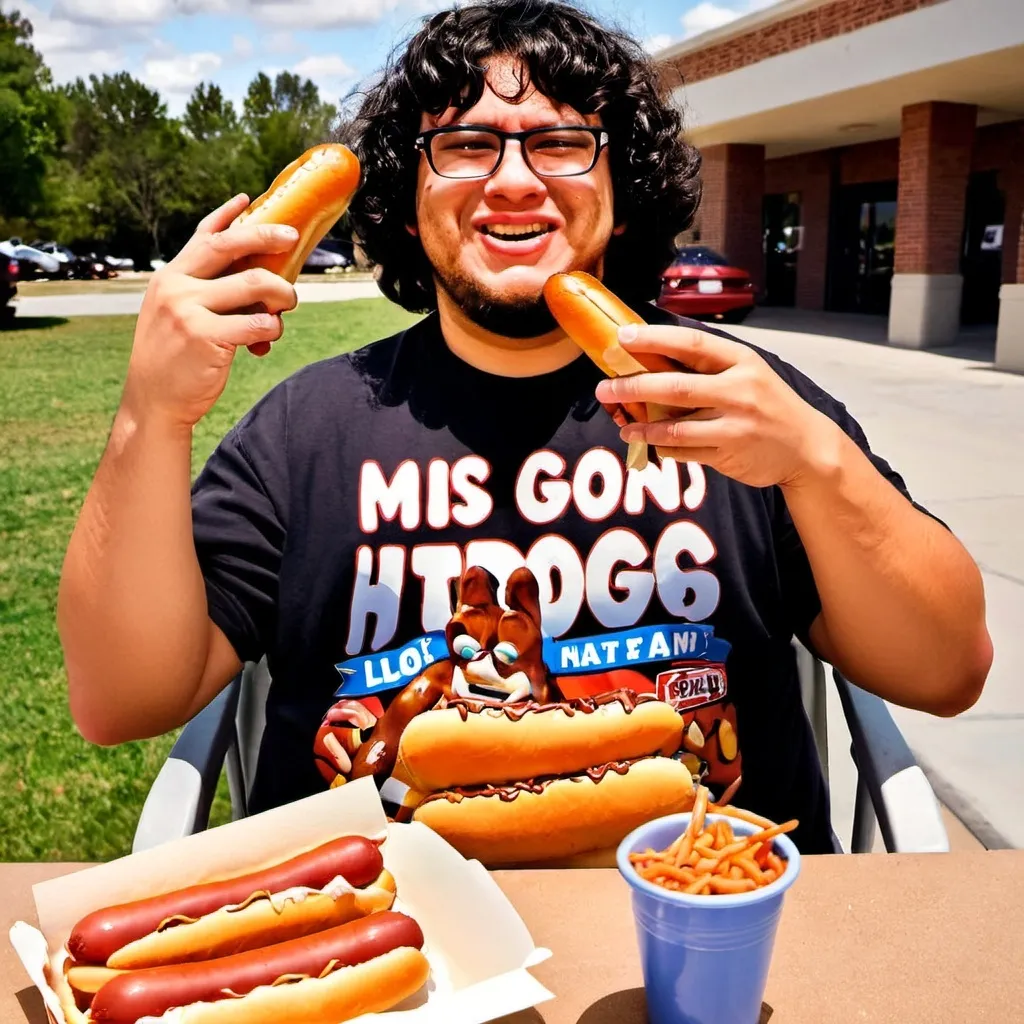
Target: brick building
{"points": [[867, 156]]}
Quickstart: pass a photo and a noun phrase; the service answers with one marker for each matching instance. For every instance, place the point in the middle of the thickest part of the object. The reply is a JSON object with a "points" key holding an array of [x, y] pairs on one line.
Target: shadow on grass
{"points": [[32, 323]]}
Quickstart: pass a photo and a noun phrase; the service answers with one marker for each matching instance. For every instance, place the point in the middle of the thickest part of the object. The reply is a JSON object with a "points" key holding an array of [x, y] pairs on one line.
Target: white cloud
{"points": [[312, 14], [241, 47], [72, 51], [656, 43], [709, 15], [323, 66], [331, 74], [182, 72], [309, 14], [91, 12]]}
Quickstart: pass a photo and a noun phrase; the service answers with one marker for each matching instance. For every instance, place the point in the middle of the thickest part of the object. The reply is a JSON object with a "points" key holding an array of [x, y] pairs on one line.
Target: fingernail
{"points": [[285, 232], [628, 333], [631, 433]]}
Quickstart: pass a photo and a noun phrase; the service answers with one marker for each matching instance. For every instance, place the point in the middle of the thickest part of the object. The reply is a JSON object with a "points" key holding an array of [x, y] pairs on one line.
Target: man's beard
{"points": [[509, 318]]}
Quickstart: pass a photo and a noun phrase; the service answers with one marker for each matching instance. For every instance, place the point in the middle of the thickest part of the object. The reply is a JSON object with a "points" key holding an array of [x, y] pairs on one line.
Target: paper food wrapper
{"points": [[478, 947]]}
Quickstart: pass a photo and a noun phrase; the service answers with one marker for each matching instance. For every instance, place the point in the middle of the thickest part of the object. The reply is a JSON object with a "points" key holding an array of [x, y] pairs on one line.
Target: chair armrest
{"points": [[900, 795], [178, 802]]}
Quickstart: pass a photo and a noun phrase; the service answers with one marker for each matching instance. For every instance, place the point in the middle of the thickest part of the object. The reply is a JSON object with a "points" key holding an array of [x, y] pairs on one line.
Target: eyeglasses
{"points": [[475, 151]]}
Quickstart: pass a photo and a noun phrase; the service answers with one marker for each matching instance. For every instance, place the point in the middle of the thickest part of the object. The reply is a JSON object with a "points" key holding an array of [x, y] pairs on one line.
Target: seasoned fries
{"points": [[708, 859]]}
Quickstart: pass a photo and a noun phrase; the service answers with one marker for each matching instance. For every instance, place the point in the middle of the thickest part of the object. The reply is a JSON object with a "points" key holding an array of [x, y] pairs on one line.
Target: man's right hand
{"points": [[193, 320]]}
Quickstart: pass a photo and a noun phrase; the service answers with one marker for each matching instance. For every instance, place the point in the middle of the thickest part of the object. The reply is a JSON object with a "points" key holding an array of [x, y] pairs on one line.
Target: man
{"points": [[328, 528]]}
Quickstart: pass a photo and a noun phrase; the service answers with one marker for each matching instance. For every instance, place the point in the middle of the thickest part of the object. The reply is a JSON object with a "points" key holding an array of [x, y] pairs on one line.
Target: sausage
{"points": [[591, 315], [151, 992], [99, 934]]}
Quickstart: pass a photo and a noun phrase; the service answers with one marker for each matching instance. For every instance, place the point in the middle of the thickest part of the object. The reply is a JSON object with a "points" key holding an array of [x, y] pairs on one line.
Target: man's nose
{"points": [[513, 180]]}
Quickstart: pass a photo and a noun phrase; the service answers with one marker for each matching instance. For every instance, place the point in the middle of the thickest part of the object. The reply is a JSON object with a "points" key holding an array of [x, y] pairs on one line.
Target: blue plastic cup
{"points": [[705, 958]]}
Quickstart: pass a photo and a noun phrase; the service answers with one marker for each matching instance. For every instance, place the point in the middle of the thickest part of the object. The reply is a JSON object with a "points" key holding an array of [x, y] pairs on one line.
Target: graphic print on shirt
{"points": [[498, 650]]}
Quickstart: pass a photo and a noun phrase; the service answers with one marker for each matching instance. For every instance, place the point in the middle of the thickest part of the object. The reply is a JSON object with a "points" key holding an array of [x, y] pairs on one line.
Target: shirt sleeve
{"points": [[800, 592], [239, 529]]}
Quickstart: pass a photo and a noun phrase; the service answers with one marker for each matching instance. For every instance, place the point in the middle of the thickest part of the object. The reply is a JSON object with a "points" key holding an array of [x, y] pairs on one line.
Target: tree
{"points": [[208, 115], [30, 118], [122, 143], [286, 117], [223, 159]]}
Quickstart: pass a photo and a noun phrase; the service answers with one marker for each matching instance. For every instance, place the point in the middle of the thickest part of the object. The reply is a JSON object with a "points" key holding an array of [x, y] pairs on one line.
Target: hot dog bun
{"points": [[591, 315], [469, 743], [315, 978], [331, 883], [310, 194], [560, 817]]}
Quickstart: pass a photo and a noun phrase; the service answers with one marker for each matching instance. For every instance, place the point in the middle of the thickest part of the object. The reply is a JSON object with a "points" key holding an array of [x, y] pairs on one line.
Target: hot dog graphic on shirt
{"points": [[510, 764]]}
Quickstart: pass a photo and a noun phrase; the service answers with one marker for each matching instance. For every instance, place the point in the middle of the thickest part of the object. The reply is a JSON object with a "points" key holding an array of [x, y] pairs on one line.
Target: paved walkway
{"points": [[102, 304], [954, 428]]}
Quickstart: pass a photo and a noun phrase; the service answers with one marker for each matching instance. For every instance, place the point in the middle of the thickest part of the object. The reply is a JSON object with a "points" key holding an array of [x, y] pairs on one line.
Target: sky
{"points": [[172, 45]]}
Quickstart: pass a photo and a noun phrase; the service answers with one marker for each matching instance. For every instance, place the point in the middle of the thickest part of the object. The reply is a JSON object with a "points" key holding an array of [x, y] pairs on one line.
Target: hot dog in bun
{"points": [[528, 782], [591, 315], [363, 966], [310, 194], [323, 887]]}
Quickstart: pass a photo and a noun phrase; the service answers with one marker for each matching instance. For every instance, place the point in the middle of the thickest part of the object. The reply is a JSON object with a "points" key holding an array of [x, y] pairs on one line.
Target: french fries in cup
{"points": [[707, 892]]}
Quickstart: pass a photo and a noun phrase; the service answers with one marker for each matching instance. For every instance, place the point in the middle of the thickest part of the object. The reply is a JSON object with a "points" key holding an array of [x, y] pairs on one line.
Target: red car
{"points": [[702, 285], [9, 274]]}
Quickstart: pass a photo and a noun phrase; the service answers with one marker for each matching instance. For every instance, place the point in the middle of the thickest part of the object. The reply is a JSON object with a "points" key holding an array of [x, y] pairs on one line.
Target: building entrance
{"points": [[981, 260], [862, 247]]}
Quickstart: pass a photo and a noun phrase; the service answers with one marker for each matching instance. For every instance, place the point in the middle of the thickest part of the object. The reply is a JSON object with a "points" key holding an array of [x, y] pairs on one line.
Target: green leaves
{"points": [[30, 121], [101, 160]]}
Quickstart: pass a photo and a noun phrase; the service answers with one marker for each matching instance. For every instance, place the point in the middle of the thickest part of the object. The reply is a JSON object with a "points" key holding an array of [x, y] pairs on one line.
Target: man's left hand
{"points": [[744, 420]]}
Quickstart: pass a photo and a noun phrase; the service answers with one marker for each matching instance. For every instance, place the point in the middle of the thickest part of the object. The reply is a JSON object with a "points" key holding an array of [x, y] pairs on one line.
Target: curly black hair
{"points": [[570, 58]]}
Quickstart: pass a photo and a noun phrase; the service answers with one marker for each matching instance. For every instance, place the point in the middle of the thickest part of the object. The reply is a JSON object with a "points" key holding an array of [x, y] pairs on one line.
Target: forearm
{"points": [[903, 607], [131, 609]]}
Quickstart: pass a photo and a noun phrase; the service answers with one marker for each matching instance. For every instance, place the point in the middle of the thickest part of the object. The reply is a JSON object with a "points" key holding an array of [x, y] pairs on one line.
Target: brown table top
{"points": [[875, 938]]}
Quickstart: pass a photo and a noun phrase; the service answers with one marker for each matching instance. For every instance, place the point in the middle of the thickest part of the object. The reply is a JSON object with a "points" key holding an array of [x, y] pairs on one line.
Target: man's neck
{"points": [[504, 357]]}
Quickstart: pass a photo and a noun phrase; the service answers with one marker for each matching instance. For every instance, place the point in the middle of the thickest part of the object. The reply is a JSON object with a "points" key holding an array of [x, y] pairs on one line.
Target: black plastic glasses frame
{"points": [[422, 142]]}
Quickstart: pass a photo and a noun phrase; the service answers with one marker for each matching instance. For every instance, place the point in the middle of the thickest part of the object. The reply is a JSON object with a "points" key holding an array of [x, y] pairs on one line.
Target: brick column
{"points": [[1010, 332], [731, 207], [936, 141], [812, 260]]}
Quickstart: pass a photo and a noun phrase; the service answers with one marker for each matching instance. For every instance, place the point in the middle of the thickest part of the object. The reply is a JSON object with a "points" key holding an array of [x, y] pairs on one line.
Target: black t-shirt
{"points": [[332, 522]]}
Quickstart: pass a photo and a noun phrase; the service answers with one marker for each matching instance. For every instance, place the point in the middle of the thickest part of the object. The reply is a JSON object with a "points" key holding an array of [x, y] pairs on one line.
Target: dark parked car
{"points": [[344, 249], [704, 285]]}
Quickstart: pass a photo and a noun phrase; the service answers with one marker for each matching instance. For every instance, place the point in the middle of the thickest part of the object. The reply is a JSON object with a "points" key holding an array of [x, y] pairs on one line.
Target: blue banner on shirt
{"points": [[628, 647], [390, 670]]}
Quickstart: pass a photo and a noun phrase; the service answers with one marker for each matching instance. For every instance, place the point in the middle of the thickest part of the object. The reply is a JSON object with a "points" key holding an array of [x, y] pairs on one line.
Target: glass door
{"points": [[863, 247]]}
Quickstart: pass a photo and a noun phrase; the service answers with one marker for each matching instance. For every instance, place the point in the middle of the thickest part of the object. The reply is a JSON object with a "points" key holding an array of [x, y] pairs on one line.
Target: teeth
{"points": [[516, 230]]}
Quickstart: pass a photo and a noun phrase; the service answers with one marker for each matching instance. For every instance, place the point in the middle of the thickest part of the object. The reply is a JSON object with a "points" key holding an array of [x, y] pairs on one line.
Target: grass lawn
{"points": [[61, 798]]}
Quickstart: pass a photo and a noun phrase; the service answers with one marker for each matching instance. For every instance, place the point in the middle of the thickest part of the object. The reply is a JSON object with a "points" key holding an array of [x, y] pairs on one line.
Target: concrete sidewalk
{"points": [[954, 428], [105, 304]]}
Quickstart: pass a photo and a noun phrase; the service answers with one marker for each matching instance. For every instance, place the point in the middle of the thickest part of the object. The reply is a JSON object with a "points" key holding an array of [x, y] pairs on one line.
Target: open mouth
{"points": [[516, 232]]}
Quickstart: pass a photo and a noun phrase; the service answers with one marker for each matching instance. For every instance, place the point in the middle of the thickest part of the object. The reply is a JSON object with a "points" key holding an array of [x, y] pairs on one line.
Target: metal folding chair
{"points": [[892, 791]]}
